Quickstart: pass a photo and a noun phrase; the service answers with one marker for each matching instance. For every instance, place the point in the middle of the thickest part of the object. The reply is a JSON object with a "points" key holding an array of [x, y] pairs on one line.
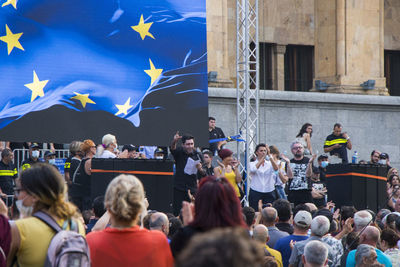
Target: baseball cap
{"points": [[34, 145], [159, 150], [129, 147], [323, 156], [49, 153], [303, 218]]}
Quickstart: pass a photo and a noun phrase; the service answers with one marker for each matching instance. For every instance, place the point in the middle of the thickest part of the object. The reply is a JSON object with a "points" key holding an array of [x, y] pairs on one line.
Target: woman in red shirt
{"points": [[124, 243]]}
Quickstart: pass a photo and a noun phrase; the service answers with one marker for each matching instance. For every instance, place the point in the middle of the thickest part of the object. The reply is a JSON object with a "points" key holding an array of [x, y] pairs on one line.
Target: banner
{"points": [[72, 70]]}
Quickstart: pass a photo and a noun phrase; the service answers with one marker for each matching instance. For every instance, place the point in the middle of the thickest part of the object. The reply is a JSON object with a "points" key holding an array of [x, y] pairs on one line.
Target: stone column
{"points": [[349, 45], [278, 67]]}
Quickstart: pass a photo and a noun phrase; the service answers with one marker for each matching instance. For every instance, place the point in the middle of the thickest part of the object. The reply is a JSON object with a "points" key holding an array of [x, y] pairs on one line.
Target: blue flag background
{"points": [[81, 69]]}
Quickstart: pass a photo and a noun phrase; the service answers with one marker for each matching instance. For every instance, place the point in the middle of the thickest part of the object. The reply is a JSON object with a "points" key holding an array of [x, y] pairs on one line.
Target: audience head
{"points": [[7, 155], [274, 151], [269, 261], [43, 188], [88, 147], [75, 148], [337, 129], [226, 155], [352, 241], [261, 150], [392, 171], [300, 207], [320, 226], [312, 207], [216, 205], [131, 149], [315, 254], [362, 218], [389, 239], [394, 180], [346, 212], [375, 156], [390, 220], [159, 221], [269, 216], [208, 156], [282, 206], [260, 233], [365, 256], [98, 206], [250, 214], [222, 247], [370, 236], [108, 140], [302, 220], [124, 199], [174, 225]]}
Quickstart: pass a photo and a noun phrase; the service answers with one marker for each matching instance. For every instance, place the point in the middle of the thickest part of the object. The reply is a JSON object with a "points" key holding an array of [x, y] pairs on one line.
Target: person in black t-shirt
{"points": [[207, 166], [215, 133], [323, 162], [318, 191], [188, 162], [337, 143], [299, 187]]}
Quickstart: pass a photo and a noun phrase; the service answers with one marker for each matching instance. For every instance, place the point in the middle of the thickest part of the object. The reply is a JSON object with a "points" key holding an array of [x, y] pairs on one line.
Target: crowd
{"points": [[288, 222]]}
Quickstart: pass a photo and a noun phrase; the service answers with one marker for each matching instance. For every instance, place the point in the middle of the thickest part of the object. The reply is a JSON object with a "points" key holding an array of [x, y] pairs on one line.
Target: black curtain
{"points": [[299, 67], [392, 71]]}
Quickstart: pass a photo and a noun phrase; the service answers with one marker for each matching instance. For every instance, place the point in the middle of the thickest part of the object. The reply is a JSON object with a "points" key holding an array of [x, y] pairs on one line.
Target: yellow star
{"points": [[124, 108], [36, 86], [143, 28], [10, 2], [153, 72], [84, 98], [12, 40]]}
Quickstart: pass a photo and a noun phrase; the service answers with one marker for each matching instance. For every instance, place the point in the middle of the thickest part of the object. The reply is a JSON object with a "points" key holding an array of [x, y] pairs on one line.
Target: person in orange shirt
{"points": [[124, 243]]}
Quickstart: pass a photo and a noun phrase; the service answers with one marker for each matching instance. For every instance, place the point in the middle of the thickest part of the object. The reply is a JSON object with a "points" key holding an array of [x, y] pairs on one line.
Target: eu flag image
{"points": [[71, 70]]}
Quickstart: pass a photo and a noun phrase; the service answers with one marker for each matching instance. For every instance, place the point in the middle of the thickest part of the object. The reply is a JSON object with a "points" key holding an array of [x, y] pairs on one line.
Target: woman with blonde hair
{"points": [[42, 188], [124, 243], [108, 148]]}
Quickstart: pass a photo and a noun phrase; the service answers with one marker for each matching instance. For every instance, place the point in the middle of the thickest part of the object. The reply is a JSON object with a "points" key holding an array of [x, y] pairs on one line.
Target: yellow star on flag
{"points": [[153, 72], [12, 40], [36, 86], [124, 108], [143, 28], [10, 2], [84, 98]]}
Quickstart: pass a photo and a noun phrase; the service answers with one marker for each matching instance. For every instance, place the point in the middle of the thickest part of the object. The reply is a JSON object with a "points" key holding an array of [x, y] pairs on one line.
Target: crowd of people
{"points": [[288, 221]]}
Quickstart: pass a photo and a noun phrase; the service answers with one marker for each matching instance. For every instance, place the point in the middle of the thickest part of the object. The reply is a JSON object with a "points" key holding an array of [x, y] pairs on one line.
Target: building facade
{"points": [[321, 61]]}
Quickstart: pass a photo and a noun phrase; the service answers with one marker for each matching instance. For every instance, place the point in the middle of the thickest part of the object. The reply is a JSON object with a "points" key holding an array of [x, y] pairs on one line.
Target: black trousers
{"points": [[300, 196], [178, 197], [255, 196]]}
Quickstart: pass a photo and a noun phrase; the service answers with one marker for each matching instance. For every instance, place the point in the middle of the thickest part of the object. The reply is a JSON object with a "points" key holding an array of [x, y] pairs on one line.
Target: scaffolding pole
{"points": [[247, 84]]}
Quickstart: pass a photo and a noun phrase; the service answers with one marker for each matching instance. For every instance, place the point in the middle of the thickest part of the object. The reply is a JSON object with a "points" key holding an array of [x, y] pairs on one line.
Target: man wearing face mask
{"points": [[323, 162], [8, 173], [34, 153], [159, 153], [50, 157]]}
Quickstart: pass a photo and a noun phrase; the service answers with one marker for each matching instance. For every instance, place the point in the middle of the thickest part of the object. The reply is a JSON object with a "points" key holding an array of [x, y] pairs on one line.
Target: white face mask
{"points": [[23, 210], [159, 157], [382, 161], [35, 153], [52, 161]]}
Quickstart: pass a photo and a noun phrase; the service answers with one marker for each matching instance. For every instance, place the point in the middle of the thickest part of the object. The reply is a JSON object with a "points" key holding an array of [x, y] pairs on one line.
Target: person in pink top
{"points": [[124, 243]]}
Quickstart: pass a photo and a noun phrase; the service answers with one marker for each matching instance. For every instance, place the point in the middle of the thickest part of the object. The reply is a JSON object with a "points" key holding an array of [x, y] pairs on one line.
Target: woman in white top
{"points": [[304, 138], [109, 147], [262, 172]]}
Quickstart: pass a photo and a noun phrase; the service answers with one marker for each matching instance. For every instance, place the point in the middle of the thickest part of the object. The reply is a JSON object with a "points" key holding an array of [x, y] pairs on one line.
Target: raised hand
{"points": [[177, 136]]}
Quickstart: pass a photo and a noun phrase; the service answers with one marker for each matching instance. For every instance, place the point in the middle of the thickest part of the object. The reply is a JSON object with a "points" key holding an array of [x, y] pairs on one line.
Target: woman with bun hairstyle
{"points": [[40, 188], [228, 168], [124, 243]]}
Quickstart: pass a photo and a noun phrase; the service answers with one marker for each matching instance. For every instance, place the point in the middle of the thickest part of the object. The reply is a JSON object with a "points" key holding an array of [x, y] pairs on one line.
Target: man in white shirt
{"points": [[262, 172]]}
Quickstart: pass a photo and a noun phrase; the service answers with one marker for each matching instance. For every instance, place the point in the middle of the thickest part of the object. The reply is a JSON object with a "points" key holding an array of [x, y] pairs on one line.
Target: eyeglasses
{"points": [[297, 147]]}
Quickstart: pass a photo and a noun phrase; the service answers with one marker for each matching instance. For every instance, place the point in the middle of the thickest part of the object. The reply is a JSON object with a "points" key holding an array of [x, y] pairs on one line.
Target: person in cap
{"points": [[34, 153], [302, 222], [159, 153], [50, 157]]}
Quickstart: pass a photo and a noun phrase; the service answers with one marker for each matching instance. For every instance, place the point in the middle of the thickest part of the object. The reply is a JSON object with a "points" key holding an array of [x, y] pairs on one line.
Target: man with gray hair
{"points": [[299, 186], [315, 254], [159, 221], [319, 228], [370, 236], [366, 256], [362, 218], [269, 218]]}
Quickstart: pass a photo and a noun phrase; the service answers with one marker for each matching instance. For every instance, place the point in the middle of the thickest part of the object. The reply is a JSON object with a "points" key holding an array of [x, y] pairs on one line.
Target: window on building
{"points": [[299, 67], [265, 66], [392, 70]]}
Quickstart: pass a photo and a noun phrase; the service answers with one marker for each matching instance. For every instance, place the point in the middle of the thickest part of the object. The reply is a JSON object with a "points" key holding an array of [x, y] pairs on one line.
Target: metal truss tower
{"points": [[247, 83]]}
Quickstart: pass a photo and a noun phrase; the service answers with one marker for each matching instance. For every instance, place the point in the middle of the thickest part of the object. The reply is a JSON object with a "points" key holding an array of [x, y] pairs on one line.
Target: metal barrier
{"points": [[22, 153]]}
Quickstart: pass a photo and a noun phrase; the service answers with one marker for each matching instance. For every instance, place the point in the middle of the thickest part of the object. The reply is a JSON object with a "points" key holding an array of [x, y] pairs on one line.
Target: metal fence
{"points": [[21, 154]]}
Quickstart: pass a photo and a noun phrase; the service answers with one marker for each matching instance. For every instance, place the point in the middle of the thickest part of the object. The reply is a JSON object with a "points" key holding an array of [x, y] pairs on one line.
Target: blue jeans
{"points": [[280, 191]]}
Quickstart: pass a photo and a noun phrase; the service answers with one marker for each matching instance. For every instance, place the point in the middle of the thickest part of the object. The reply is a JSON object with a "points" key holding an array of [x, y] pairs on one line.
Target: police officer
{"points": [[8, 173], [34, 153]]}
